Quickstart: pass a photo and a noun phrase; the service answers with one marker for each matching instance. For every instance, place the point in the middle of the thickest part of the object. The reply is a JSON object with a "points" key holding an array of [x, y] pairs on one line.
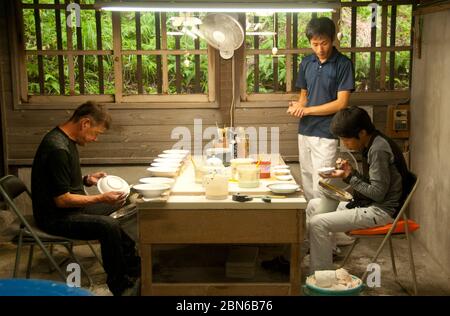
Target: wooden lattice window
{"points": [[127, 57], [381, 55]]}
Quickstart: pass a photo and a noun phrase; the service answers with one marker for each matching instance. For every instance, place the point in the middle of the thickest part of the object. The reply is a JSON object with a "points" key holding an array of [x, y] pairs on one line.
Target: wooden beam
{"points": [[159, 78], [98, 27], [353, 34], [431, 8], [356, 98], [80, 58], [70, 56], [198, 73], [354, 4], [139, 57], [59, 46], [383, 44], [178, 77], [373, 44], [274, 58], [54, 52], [294, 46], [342, 49], [212, 74], [37, 25], [392, 44], [16, 37], [117, 47], [289, 56], [256, 59], [165, 66]]}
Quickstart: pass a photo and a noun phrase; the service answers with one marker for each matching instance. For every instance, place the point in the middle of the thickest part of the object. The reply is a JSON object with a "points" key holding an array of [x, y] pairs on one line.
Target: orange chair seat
{"points": [[383, 230]]}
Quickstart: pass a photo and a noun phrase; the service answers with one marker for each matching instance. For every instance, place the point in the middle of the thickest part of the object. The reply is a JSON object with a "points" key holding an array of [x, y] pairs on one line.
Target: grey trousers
{"points": [[320, 223]]}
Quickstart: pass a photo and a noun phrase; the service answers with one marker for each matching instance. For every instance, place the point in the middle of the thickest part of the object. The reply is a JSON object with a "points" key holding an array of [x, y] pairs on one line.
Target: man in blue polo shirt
{"points": [[326, 80]]}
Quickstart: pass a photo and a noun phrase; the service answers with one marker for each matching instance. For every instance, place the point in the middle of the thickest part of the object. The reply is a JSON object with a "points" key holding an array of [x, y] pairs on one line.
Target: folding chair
{"points": [[29, 234], [397, 228]]}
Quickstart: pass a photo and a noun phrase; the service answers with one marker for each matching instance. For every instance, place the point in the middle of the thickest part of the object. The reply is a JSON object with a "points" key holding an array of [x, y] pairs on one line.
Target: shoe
{"points": [[117, 287], [342, 239], [337, 252], [133, 268], [133, 290], [277, 264]]}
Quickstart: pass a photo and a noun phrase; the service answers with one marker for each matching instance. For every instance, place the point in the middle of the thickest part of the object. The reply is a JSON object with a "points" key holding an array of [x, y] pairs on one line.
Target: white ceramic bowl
{"points": [[287, 177], [277, 167], [163, 172], [113, 183], [158, 180], [166, 164], [177, 152], [283, 188], [326, 170], [151, 190], [168, 160], [172, 156], [281, 172]]}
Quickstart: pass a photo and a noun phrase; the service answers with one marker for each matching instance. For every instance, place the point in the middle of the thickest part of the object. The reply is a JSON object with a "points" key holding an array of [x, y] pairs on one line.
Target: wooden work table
{"points": [[192, 219]]}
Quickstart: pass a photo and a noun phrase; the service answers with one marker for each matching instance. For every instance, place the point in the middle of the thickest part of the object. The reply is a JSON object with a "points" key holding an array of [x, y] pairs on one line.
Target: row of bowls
{"points": [[163, 170], [168, 163]]}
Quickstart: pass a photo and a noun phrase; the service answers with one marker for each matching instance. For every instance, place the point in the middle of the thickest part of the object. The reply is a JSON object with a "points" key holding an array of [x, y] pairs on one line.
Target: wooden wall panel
{"points": [[140, 134]]}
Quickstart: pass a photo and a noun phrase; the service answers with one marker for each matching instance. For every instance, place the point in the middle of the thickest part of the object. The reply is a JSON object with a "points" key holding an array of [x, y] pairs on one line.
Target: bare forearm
{"points": [[77, 200], [302, 98]]}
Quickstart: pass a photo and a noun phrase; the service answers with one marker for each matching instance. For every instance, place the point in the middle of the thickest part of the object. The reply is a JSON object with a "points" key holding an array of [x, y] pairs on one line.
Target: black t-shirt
{"points": [[56, 171]]}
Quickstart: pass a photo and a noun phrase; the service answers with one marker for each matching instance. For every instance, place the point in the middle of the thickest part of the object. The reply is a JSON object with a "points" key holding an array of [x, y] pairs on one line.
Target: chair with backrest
{"points": [[29, 234], [402, 226]]}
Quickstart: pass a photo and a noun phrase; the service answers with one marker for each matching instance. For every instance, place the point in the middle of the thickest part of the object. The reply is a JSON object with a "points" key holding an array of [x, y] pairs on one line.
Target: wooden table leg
{"points": [[146, 270], [295, 272]]}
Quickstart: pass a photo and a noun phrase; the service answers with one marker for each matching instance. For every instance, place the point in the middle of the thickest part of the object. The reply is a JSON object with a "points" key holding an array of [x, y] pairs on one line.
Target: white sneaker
{"points": [[337, 252], [342, 239]]}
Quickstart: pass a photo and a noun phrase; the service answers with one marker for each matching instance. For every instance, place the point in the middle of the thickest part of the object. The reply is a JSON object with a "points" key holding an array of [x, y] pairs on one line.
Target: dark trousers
{"points": [[94, 223]]}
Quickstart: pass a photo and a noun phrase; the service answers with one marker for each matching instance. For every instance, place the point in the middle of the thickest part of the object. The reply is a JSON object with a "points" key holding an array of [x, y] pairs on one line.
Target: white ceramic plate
{"points": [[163, 172], [151, 190], [284, 188], [284, 177], [281, 172], [166, 164], [157, 180], [277, 167], [326, 170], [168, 160], [177, 151], [173, 156], [113, 183]]}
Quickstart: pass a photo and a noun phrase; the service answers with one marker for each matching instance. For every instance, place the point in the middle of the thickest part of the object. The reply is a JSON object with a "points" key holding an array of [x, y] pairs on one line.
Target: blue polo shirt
{"points": [[323, 81]]}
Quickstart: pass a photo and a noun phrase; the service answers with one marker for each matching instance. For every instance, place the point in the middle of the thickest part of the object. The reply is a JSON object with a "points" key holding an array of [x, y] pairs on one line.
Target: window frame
{"points": [[382, 97], [23, 100]]}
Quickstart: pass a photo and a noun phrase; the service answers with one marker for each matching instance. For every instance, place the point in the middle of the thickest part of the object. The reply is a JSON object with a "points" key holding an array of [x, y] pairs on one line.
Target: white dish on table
{"points": [[326, 170], [283, 188], [163, 172], [113, 183], [172, 156], [158, 180], [151, 190], [169, 164], [176, 151], [277, 167], [287, 177], [168, 160], [281, 172]]}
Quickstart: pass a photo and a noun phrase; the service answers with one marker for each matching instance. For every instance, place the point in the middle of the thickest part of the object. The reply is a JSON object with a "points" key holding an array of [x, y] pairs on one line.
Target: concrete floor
{"points": [[207, 263]]}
